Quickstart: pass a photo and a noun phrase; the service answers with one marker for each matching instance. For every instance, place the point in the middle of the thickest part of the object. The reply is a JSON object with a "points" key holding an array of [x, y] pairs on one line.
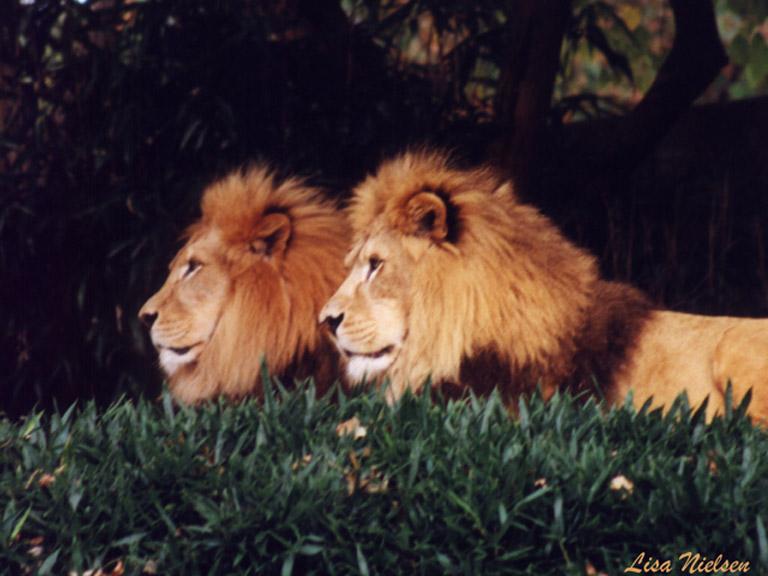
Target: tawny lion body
{"points": [[452, 277], [701, 355], [247, 287]]}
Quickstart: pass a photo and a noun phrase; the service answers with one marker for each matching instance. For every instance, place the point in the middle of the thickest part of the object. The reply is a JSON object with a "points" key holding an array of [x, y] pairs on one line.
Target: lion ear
{"points": [[427, 215], [271, 235]]}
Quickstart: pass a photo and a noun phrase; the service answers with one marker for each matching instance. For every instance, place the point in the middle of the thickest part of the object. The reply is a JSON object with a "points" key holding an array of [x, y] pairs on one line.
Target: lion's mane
{"points": [[269, 315], [505, 299]]}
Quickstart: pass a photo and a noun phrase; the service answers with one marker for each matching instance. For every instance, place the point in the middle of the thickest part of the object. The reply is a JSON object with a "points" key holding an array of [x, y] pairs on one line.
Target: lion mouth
{"points": [[373, 355], [179, 350]]}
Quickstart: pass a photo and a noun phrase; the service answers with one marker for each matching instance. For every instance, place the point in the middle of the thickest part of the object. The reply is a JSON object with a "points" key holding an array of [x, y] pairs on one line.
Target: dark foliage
{"points": [[457, 488]]}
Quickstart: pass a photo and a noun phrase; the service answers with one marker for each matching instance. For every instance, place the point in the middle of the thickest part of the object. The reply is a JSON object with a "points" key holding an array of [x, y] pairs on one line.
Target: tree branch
{"points": [[525, 92], [696, 57]]}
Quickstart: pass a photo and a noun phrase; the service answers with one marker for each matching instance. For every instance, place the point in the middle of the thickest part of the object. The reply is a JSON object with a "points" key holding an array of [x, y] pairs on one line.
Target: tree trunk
{"points": [[525, 88]]}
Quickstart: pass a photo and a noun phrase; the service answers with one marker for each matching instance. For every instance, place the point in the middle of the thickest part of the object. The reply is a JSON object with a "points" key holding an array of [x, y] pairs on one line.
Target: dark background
{"points": [[114, 114]]}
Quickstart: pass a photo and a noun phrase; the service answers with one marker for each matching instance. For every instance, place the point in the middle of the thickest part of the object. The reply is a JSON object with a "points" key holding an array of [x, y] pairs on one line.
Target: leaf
{"points": [[287, 568], [741, 411], [503, 515], [464, 505], [631, 15], [700, 415], [362, 564], [310, 549], [168, 407], [533, 496], [165, 517], [488, 411], [129, 540], [762, 541], [523, 414], [517, 553], [597, 484], [616, 60], [558, 515], [444, 561], [49, 563], [32, 424], [208, 510], [20, 524], [413, 468], [757, 66], [728, 400], [189, 132], [76, 491]]}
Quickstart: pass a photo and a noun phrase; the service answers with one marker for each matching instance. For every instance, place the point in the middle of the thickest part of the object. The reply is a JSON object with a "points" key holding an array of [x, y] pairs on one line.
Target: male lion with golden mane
{"points": [[452, 277], [247, 286]]}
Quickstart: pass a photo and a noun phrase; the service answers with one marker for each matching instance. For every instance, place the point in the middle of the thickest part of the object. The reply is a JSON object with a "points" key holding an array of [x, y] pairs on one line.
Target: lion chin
{"points": [[368, 366], [173, 358], [451, 277], [246, 288]]}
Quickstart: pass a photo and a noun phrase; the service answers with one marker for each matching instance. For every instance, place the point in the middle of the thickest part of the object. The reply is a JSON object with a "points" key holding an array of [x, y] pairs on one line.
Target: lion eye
{"points": [[192, 265], [374, 263]]}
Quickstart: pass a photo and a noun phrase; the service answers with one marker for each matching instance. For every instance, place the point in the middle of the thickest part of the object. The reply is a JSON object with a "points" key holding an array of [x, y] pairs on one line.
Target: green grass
{"points": [[432, 487]]}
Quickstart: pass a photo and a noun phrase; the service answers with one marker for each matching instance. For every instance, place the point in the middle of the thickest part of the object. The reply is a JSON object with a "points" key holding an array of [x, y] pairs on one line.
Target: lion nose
{"points": [[148, 318], [333, 322]]}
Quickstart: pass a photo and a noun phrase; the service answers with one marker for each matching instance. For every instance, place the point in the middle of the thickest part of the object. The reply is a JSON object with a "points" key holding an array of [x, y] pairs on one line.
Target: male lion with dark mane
{"points": [[248, 285], [452, 277]]}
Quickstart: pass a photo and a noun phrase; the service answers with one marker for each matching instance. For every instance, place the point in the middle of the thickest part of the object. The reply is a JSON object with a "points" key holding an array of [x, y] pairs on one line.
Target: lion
{"points": [[453, 278], [247, 287]]}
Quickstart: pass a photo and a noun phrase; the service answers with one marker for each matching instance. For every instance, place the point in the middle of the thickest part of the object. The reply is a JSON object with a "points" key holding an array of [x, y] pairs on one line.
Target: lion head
{"points": [[247, 286], [450, 276]]}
